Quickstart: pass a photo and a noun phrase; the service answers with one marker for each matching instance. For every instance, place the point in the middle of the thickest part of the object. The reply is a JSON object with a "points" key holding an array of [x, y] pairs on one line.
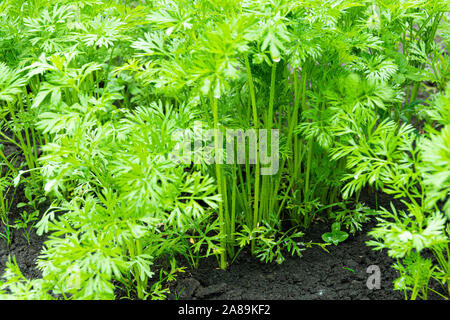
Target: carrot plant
{"points": [[98, 95], [6, 188], [255, 46], [420, 176]]}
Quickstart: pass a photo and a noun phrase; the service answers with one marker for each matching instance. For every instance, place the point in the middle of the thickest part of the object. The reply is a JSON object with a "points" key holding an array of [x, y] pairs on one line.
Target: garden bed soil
{"points": [[340, 274], [25, 253]]}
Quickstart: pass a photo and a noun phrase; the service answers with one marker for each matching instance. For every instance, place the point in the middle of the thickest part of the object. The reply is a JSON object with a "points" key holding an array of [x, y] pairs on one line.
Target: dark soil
{"points": [[25, 253], [341, 274]]}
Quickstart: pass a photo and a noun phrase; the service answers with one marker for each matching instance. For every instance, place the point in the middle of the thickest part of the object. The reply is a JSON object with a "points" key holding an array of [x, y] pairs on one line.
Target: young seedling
{"points": [[336, 235], [349, 269], [26, 223]]}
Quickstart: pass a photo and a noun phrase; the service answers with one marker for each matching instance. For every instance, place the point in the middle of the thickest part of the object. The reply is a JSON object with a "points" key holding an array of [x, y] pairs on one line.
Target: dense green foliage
{"points": [[94, 93]]}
